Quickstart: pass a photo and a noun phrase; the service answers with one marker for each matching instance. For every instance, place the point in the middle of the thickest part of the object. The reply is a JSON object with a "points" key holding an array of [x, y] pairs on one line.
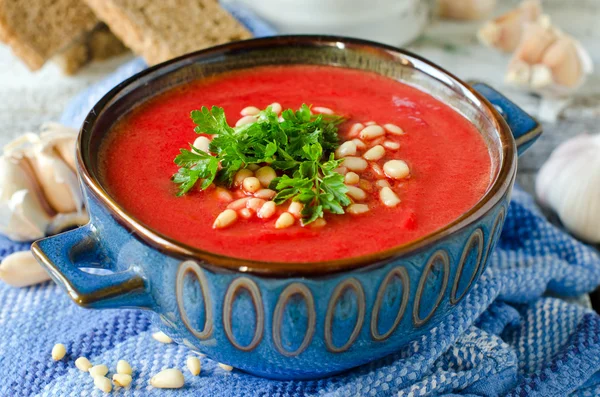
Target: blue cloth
{"points": [[507, 337]]}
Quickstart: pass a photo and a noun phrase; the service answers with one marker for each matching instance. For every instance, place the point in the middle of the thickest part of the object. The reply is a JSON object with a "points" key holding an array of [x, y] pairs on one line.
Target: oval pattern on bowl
{"points": [[494, 236], [468, 265], [311, 317], [387, 297], [188, 292], [234, 293], [342, 292], [442, 261]]}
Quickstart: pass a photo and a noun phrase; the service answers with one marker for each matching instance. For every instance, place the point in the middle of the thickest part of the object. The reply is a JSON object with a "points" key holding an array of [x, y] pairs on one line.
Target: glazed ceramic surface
{"points": [[287, 320]]}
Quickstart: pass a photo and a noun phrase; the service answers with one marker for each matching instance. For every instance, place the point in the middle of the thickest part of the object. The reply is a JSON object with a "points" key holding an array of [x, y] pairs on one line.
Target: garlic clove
{"points": [[62, 139], [63, 222], [465, 9], [569, 183], [563, 62], [537, 38], [21, 269]]}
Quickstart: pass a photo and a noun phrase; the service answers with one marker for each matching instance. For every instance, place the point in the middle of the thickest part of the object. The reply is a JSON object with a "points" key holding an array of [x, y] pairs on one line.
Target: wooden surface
{"points": [[29, 99]]}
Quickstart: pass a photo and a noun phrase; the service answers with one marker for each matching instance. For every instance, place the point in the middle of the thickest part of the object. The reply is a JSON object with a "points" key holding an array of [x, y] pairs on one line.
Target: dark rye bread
{"points": [[38, 29], [97, 45], [161, 30]]}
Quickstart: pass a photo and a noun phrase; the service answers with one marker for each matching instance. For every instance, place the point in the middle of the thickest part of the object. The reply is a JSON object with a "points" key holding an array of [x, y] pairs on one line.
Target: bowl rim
{"points": [[218, 262]]}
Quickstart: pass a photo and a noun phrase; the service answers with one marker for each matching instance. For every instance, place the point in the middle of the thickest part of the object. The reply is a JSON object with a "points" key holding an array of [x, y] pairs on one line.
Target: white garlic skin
{"points": [[569, 183]]}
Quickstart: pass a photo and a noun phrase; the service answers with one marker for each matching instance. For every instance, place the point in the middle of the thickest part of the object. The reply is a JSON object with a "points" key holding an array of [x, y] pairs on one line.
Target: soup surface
{"points": [[449, 164]]}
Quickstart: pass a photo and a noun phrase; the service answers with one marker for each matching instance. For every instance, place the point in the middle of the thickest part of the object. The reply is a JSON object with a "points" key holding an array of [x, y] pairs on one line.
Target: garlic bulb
{"points": [[21, 269], [39, 190], [569, 183], [465, 9]]}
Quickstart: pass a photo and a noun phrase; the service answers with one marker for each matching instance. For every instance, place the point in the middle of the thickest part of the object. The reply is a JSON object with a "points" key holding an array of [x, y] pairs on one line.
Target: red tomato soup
{"points": [[449, 164]]}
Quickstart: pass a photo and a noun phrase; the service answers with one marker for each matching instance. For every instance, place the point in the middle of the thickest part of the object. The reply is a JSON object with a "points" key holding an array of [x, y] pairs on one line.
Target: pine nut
{"points": [[201, 143], [377, 170], [250, 111], [58, 351], [161, 336], [355, 163], [360, 145], [223, 195], [351, 178], [388, 197], [253, 167], [365, 185], [295, 209], [372, 132], [357, 209], [391, 145], [370, 123], [356, 192], [171, 378], [318, 223], [224, 219], [347, 148], [103, 384], [124, 368], [382, 183], [83, 364], [251, 184], [276, 107], [122, 380], [21, 269], [323, 110], [98, 370], [266, 175], [242, 174], [194, 365], [267, 210], [341, 170], [393, 129], [377, 141], [246, 120], [396, 169], [375, 153], [355, 130], [285, 220], [265, 194], [245, 213], [238, 204], [225, 367]]}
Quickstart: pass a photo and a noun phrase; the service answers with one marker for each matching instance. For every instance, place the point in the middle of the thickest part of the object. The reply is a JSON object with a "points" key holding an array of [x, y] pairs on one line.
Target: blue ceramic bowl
{"points": [[287, 320]]}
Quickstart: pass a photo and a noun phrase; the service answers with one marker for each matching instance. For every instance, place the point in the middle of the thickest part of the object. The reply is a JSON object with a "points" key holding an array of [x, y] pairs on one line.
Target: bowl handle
{"points": [[525, 129], [63, 256]]}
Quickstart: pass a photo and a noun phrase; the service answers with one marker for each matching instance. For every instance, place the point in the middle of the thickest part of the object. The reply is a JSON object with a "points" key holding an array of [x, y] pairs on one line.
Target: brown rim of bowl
{"points": [[218, 262]]}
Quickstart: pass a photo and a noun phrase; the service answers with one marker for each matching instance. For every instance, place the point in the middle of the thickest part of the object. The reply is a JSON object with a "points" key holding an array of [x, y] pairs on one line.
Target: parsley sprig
{"points": [[300, 148]]}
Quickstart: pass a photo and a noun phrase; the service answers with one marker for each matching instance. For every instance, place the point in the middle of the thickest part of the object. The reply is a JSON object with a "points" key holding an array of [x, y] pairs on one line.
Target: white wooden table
{"points": [[29, 99]]}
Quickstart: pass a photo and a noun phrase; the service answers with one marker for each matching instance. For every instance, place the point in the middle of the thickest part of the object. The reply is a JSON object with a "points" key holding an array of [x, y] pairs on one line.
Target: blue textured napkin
{"points": [[507, 337]]}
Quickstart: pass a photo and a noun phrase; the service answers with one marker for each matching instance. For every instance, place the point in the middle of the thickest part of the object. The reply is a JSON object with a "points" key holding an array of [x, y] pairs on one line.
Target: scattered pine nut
{"points": [[377, 170], [355, 163], [246, 120], [267, 210], [255, 204], [357, 209], [319, 222], [285, 220], [124, 368], [323, 110], [371, 132], [103, 384], [251, 184], [83, 364], [391, 145], [265, 194], [382, 183], [122, 380], [242, 174], [295, 209], [98, 370], [388, 197], [370, 123], [396, 169], [355, 130], [171, 378], [161, 336], [250, 111], [246, 213], [194, 365], [393, 129], [377, 141], [365, 185], [347, 148], [265, 175], [223, 194], [201, 143], [375, 153], [351, 178], [359, 144], [341, 170], [238, 204], [224, 219], [58, 351], [253, 167], [356, 192], [276, 107], [225, 367]]}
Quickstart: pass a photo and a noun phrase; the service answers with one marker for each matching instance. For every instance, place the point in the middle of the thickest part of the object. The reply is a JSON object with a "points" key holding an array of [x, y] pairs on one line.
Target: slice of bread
{"points": [[37, 30], [161, 30], [98, 45]]}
